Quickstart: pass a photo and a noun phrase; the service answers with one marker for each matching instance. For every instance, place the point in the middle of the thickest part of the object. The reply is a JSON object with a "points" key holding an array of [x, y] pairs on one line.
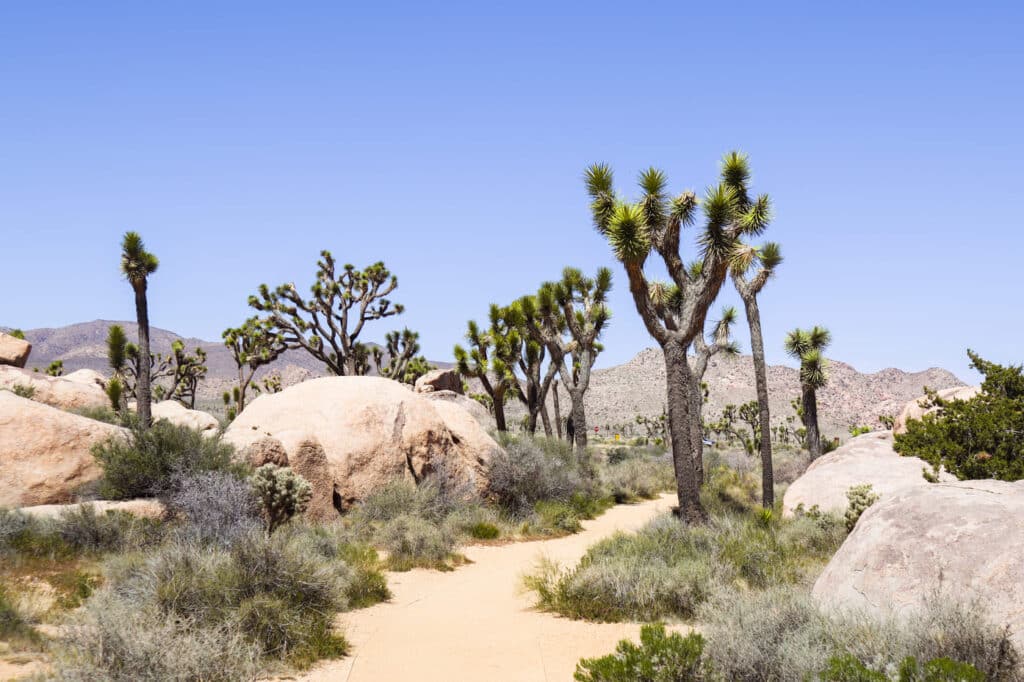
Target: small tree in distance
{"points": [[491, 359], [808, 346], [328, 324], [252, 345]]}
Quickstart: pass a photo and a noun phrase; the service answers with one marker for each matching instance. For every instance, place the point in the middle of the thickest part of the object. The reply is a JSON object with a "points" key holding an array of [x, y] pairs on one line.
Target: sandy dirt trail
{"points": [[475, 623]]}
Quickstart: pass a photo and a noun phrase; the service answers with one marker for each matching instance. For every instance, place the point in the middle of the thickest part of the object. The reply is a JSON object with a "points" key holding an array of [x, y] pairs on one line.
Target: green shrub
{"points": [[100, 414], [147, 462], [484, 531], [860, 497], [281, 494], [660, 657], [24, 391], [14, 629], [530, 470], [848, 668], [411, 541], [556, 516], [976, 438], [637, 478], [668, 569]]}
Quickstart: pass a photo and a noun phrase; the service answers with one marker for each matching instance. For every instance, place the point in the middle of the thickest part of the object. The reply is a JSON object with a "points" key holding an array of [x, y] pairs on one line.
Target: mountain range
{"points": [[617, 394]]}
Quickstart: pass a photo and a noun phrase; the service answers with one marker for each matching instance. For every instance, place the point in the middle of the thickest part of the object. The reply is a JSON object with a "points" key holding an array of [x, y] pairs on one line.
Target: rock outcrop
{"points": [[440, 380], [371, 430], [179, 415], [79, 390], [14, 351], [144, 508], [914, 409], [475, 409], [45, 452], [865, 459], [963, 540]]}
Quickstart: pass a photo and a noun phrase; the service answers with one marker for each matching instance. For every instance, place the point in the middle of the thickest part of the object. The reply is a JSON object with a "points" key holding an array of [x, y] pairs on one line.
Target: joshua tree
{"points": [[530, 361], [396, 360], [573, 305], [56, 368], [808, 347], [137, 265], [491, 358], [768, 257], [720, 342], [633, 230], [188, 371], [328, 324], [252, 346]]}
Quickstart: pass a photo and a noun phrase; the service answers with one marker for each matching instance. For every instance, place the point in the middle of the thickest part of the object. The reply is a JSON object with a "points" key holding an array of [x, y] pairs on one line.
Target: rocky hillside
{"points": [[620, 393]]}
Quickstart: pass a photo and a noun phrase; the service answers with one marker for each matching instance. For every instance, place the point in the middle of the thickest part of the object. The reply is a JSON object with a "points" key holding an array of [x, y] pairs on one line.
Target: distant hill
{"points": [[83, 345], [617, 394]]}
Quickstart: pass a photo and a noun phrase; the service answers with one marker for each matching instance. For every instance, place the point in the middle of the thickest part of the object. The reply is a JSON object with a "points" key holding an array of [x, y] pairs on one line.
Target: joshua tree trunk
{"points": [[546, 420], [143, 390], [696, 430], [499, 409], [761, 381], [579, 420], [810, 402], [680, 399], [558, 413]]}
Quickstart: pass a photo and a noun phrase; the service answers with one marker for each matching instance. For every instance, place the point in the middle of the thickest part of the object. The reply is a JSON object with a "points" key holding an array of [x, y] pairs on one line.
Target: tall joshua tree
{"points": [[252, 345], [568, 317], [767, 258], [137, 265], [491, 358], [654, 222], [530, 363], [808, 346], [328, 324]]}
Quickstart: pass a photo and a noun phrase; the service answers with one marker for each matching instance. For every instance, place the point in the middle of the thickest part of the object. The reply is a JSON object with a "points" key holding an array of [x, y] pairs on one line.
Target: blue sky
{"points": [[240, 139]]}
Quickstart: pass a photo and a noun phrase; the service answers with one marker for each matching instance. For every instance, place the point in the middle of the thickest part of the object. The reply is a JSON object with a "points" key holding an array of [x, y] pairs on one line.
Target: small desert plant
{"points": [[635, 478], [281, 494], [14, 628], [217, 507], [861, 497], [661, 657], [859, 430], [147, 462], [24, 391], [848, 668], [534, 469], [86, 530], [411, 541]]}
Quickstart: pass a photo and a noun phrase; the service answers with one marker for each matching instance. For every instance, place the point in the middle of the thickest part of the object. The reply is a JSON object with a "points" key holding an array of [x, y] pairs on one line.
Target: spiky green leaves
{"points": [[136, 263], [808, 346], [770, 256], [627, 233], [117, 341], [598, 180]]}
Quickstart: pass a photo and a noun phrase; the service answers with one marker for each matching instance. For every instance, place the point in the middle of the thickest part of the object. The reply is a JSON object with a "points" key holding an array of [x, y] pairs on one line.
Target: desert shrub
{"points": [[976, 438], [638, 478], [789, 465], [780, 634], [411, 541], [281, 494], [530, 470], [860, 497], [484, 531], [85, 530], [667, 569], [280, 592], [100, 414], [148, 461], [24, 391], [476, 521], [730, 490], [661, 657], [14, 627], [848, 668], [217, 507], [114, 639], [556, 516]]}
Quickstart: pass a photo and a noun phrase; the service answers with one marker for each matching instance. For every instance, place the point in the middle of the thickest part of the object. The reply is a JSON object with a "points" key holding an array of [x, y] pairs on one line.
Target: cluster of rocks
{"points": [[954, 540]]}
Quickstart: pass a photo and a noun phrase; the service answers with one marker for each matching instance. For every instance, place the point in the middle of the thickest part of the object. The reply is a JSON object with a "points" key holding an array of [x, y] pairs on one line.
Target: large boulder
{"points": [[474, 408], [371, 430], [963, 540], [45, 452], [79, 390], [179, 415], [440, 380], [14, 351], [869, 458], [914, 409]]}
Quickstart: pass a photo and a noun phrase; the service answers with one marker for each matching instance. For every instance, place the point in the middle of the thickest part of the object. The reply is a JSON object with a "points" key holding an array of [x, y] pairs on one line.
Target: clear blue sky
{"points": [[240, 139]]}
